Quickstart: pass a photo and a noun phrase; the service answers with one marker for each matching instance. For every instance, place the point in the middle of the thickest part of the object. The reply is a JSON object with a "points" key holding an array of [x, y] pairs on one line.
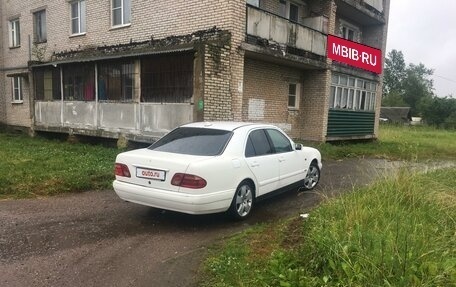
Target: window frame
{"points": [[39, 21], [194, 141], [16, 85], [47, 84], [174, 72], [78, 82], [80, 17], [274, 141], [349, 27], [14, 33], [361, 95], [253, 142], [123, 13], [286, 4], [122, 74], [296, 96]]}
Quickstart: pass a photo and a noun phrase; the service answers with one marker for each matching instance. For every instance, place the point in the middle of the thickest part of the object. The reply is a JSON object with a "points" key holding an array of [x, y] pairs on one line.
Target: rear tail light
{"points": [[188, 180], [122, 170]]}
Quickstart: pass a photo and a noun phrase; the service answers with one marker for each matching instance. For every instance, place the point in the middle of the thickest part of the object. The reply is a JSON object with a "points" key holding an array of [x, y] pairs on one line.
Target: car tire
{"points": [[243, 201], [312, 177]]}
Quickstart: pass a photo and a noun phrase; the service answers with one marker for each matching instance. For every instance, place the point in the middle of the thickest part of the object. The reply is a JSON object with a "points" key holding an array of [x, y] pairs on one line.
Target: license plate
{"points": [[150, 173]]}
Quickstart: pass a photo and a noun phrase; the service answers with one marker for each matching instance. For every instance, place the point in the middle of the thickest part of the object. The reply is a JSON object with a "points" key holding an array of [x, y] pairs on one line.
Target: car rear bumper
{"points": [[177, 201]]}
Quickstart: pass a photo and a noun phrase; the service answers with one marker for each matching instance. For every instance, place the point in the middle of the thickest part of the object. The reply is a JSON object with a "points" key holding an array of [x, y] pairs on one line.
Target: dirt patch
{"points": [[95, 239]]}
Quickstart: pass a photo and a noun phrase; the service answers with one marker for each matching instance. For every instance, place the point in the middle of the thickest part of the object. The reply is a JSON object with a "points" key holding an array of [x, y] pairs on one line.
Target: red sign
{"points": [[354, 54]]}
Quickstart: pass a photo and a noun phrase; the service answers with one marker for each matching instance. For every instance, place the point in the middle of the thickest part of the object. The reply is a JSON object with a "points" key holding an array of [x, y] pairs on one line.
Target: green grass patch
{"points": [[397, 232], [36, 166], [397, 143], [33, 167]]}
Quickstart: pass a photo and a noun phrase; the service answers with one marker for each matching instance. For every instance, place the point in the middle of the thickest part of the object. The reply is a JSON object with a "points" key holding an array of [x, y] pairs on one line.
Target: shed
{"points": [[397, 115]]}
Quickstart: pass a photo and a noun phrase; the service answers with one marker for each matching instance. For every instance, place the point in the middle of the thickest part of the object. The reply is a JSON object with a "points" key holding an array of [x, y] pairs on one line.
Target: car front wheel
{"points": [[312, 177], [243, 200]]}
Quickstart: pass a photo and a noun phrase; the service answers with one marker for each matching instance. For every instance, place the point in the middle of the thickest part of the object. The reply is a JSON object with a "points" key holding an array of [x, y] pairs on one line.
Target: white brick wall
{"points": [[226, 80], [157, 19]]}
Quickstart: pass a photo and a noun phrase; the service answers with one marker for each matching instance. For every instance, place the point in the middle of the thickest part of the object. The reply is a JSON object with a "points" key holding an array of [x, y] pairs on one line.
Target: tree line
{"points": [[410, 85]]}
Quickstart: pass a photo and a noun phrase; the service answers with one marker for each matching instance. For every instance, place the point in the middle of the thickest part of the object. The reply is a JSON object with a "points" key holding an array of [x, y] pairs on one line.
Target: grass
{"points": [[417, 143], [32, 167], [397, 232]]}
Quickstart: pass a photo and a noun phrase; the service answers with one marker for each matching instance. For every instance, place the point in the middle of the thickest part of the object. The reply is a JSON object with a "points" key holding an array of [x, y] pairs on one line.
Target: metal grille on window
{"points": [[78, 82], [167, 79], [47, 84], [116, 81]]}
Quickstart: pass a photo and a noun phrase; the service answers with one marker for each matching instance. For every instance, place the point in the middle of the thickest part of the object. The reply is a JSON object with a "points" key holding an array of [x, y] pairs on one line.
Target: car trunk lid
{"points": [[155, 169]]}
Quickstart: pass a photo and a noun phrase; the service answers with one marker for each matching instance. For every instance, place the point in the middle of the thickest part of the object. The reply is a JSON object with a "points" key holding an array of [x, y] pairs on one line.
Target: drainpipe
{"points": [[61, 95], [30, 47], [96, 97]]}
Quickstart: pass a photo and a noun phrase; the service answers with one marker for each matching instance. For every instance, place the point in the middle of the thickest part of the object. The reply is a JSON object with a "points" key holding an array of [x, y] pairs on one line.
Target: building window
{"points": [[15, 33], [79, 82], [352, 93], [293, 95], [16, 87], [116, 81], [349, 31], [78, 18], [47, 84], [121, 12], [39, 26], [289, 10], [167, 79], [293, 12]]}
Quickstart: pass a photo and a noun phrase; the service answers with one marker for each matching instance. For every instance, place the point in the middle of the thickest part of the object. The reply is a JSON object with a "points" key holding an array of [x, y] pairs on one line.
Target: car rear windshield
{"points": [[193, 141]]}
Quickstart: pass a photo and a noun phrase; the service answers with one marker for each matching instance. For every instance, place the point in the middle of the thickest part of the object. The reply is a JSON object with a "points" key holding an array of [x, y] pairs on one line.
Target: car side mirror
{"points": [[298, 146]]}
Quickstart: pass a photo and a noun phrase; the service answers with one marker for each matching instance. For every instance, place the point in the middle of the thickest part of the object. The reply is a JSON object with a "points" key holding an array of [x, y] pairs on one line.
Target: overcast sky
{"points": [[425, 32]]}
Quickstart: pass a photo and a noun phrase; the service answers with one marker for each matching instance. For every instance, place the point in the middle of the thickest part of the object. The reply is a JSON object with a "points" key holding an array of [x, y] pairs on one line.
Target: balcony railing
{"points": [[266, 25]]}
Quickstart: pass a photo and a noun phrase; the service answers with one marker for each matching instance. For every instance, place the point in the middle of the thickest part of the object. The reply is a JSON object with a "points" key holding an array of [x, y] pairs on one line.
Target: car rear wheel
{"points": [[312, 177], [243, 201]]}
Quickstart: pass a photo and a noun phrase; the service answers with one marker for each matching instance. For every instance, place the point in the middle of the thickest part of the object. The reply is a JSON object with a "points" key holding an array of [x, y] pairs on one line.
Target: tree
{"points": [[440, 112], [393, 99], [417, 86], [406, 85], [411, 85], [394, 74]]}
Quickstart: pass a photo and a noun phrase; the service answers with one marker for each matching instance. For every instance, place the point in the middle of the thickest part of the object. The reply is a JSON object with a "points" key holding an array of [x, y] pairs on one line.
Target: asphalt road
{"points": [[95, 239]]}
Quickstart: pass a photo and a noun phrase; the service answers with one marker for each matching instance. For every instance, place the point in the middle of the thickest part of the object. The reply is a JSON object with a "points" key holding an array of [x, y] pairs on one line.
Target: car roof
{"points": [[224, 125]]}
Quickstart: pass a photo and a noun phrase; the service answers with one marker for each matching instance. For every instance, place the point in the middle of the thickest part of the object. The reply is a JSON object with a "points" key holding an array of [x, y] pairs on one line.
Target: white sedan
{"points": [[211, 167]]}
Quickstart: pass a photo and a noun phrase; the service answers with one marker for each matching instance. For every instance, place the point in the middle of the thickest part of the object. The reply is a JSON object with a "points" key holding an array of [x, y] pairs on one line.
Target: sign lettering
{"points": [[354, 54]]}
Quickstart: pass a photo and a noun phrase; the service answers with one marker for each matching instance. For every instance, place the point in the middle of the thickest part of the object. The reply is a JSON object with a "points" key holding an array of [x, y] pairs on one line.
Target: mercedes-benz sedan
{"points": [[211, 167]]}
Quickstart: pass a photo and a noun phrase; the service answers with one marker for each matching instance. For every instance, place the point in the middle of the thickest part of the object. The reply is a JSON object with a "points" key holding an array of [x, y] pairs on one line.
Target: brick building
{"points": [[137, 69]]}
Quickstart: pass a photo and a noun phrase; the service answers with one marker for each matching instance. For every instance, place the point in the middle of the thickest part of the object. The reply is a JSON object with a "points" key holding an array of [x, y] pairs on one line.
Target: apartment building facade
{"points": [[137, 69]]}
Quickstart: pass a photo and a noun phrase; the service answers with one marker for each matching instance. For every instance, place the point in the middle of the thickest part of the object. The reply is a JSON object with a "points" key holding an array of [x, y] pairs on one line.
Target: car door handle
{"points": [[281, 159], [254, 164]]}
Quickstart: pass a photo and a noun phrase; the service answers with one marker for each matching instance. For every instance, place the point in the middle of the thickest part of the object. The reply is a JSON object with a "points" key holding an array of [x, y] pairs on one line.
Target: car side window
{"points": [[257, 144], [280, 142]]}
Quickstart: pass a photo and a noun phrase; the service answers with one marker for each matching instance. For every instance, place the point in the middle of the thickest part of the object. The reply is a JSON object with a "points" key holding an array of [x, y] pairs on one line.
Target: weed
{"points": [[396, 232], [36, 167]]}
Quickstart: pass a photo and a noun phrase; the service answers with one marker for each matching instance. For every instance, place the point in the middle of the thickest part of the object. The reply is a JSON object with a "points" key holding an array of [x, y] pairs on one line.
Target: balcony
{"points": [[276, 29], [364, 12]]}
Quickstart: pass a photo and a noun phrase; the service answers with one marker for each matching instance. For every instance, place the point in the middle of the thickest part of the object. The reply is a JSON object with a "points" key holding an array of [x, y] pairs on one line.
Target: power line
{"points": [[445, 78]]}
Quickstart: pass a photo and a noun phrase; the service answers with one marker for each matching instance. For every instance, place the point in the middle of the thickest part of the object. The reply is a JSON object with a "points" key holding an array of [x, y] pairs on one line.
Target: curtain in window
{"points": [[79, 82]]}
